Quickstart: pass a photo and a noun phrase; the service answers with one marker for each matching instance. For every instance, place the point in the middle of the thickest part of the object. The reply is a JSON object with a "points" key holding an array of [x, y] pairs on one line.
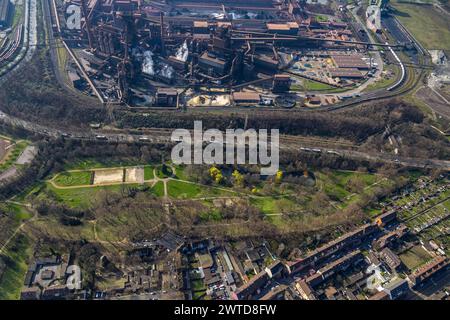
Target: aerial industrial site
{"points": [[183, 54], [224, 150]]}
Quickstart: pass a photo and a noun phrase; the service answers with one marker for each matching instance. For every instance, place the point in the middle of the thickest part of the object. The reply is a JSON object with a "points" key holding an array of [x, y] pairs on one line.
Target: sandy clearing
{"points": [[3, 151], [27, 155], [8, 173], [108, 176], [134, 175]]}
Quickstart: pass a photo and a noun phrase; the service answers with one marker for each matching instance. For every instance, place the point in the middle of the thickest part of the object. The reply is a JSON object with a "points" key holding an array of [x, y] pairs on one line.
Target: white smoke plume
{"points": [[183, 52], [148, 66], [166, 71]]}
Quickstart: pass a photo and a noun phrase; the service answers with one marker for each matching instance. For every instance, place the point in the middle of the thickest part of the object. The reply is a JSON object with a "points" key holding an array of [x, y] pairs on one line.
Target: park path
{"points": [[19, 228]]}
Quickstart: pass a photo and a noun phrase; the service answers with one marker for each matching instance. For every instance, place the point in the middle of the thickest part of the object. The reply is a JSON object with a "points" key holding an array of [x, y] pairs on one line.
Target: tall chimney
{"points": [[161, 16]]}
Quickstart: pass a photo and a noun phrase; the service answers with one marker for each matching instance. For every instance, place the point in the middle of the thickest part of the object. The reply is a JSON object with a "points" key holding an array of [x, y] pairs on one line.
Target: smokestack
{"points": [[161, 16]]}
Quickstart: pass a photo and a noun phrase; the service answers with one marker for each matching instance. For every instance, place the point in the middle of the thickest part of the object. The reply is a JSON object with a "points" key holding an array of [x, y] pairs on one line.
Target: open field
{"points": [[158, 189], [4, 144], [429, 26], [102, 176], [134, 175], [81, 197], [15, 259], [185, 190], [105, 176], [74, 178]]}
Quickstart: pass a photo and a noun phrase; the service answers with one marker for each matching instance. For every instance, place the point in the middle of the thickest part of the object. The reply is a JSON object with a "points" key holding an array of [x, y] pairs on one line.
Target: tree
{"points": [[238, 178], [279, 176], [216, 174]]}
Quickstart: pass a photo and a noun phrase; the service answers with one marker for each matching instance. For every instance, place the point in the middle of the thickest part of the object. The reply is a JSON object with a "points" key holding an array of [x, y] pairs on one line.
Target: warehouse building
{"points": [[211, 63], [349, 73], [246, 98], [350, 61]]}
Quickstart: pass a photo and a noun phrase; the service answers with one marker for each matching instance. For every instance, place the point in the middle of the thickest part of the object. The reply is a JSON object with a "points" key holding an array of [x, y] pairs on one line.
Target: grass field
{"points": [[82, 197], [15, 259], [13, 155], [184, 190], [271, 205], [18, 212], [414, 257], [310, 85], [335, 183], [158, 189], [430, 27], [77, 178], [148, 173]]}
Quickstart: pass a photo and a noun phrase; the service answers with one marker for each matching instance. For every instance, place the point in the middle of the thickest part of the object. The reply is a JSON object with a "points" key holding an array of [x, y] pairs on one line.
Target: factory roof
{"points": [[278, 26], [282, 76], [167, 91], [349, 61], [201, 24], [345, 73], [246, 96], [206, 56]]}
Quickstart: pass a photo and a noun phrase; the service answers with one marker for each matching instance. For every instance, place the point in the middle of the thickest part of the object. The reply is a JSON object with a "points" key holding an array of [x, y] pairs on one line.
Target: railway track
{"points": [[12, 47]]}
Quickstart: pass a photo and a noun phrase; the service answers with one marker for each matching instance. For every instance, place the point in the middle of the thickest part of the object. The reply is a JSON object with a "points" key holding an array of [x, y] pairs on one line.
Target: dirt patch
{"points": [[8, 173], [27, 155], [134, 175], [108, 176], [3, 149], [434, 101]]}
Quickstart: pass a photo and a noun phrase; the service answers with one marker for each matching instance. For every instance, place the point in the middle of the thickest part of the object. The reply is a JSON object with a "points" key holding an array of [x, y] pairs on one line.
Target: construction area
{"points": [[227, 53]]}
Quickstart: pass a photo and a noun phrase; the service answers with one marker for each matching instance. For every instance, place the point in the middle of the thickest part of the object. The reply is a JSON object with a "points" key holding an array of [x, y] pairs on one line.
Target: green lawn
{"points": [[158, 189], [197, 285], [271, 205], [428, 25], [148, 172], [82, 197], [310, 85], [78, 178], [14, 155], [184, 190], [415, 257], [16, 261], [19, 213], [336, 183]]}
